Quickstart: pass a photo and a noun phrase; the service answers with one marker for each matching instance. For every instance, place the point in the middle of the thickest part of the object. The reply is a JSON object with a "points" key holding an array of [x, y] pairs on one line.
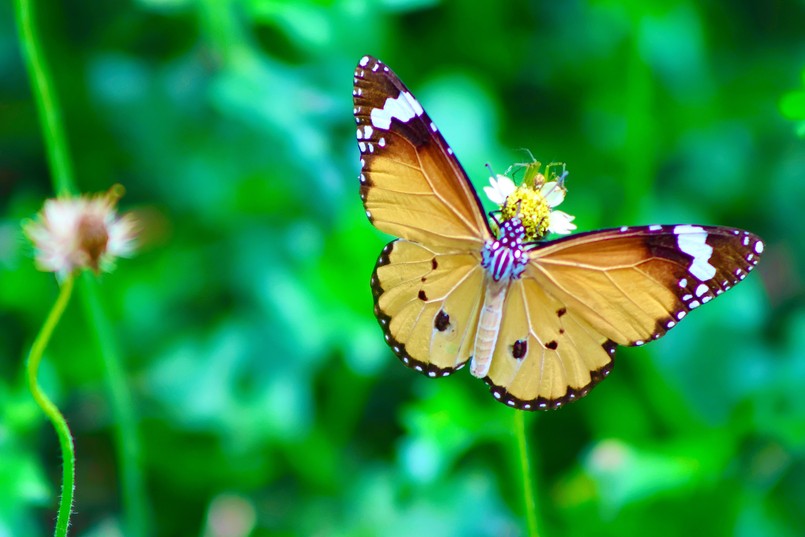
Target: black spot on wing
{"points": [[519, 349], [442, 321], [542, 403], [427, 369]]}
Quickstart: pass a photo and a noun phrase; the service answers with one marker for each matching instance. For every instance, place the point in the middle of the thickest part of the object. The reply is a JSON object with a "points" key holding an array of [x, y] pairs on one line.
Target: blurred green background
{"points": [[266, 400]]}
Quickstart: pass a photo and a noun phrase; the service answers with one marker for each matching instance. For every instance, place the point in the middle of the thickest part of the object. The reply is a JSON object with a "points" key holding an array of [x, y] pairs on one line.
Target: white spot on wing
{"points": [[692, 241], [364, 61], [683, 282], [702, 289], [759, 247], [654, 228], [403, 108]]}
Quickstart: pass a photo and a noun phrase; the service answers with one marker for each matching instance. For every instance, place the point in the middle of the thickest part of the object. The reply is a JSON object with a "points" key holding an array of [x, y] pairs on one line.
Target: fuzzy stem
{"points": [[50, 410], [525, 470]]}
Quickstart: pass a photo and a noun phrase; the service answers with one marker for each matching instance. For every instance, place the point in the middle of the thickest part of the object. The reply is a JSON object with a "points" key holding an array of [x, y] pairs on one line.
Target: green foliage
{"points": [[262, 389]]}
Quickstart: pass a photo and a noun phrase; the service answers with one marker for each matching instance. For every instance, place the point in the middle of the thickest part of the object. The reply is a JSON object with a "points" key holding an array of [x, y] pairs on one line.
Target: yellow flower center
{"points": [[530, 205]]}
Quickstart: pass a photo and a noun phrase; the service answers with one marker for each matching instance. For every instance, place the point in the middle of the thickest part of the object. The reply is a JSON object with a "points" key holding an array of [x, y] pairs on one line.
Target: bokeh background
{"points": [[265, 399]]}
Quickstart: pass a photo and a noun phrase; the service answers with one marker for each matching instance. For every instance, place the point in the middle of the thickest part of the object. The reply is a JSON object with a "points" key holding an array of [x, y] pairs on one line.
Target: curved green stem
{"points": [[529, 499], [50, 410]]}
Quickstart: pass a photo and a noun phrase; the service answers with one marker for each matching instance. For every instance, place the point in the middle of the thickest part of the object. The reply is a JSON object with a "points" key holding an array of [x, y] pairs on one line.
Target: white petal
{"points": [[561, 223], [493, 195], [501, 187], [553, 193]]}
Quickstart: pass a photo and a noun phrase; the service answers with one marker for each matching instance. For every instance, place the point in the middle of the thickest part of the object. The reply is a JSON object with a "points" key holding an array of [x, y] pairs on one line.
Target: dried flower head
{"points": [[72, 233]]}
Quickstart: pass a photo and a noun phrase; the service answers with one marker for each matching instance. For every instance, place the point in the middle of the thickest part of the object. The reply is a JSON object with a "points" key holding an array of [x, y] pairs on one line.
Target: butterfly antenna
{"points": [[493, 216], [491, 171]]}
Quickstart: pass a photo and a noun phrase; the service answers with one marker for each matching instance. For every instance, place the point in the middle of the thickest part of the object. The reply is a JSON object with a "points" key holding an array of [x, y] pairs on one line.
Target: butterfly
{"points": [[538, 321]]}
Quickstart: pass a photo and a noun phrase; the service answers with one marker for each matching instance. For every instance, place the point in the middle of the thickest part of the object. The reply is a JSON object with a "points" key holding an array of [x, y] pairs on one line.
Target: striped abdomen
{"points": [[489, 325]]}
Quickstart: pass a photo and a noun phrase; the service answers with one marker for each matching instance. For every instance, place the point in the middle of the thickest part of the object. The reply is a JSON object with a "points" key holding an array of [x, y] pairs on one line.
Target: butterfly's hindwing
{"points": [[412, 186], [546, 355], [427, 303]]}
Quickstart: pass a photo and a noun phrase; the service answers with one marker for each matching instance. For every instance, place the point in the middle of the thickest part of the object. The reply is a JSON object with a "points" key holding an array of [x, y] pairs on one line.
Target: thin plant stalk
{"points": [[529, 495], [46, 102], [50, 410], [126, 437]]}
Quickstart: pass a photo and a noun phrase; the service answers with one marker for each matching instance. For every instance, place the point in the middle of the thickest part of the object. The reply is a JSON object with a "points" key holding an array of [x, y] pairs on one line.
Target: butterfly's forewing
{"points": [[582, 294], [427, 302], [412, 186]]}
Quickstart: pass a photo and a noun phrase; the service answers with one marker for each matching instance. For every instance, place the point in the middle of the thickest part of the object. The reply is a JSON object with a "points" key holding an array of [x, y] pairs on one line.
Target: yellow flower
{"points": [[534, 201], [72, 233]]}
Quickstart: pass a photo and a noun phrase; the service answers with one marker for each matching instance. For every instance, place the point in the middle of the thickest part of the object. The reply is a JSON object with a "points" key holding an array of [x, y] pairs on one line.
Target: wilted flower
{"points": [[72, 233]]}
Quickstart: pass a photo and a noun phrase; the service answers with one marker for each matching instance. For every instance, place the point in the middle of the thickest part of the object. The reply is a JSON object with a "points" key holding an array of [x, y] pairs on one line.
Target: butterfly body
{"points": [[539, 321], [504, 258], [489, 324]]}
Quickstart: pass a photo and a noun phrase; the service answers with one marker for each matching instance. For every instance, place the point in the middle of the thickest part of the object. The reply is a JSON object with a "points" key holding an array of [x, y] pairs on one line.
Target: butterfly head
{"points": [[506, 256]]}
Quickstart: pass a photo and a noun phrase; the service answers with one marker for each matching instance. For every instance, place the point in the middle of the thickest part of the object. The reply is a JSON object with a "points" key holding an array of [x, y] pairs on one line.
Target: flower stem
{"points": [[135, 523], [46, 103], [50, 410], [525, 470]]}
